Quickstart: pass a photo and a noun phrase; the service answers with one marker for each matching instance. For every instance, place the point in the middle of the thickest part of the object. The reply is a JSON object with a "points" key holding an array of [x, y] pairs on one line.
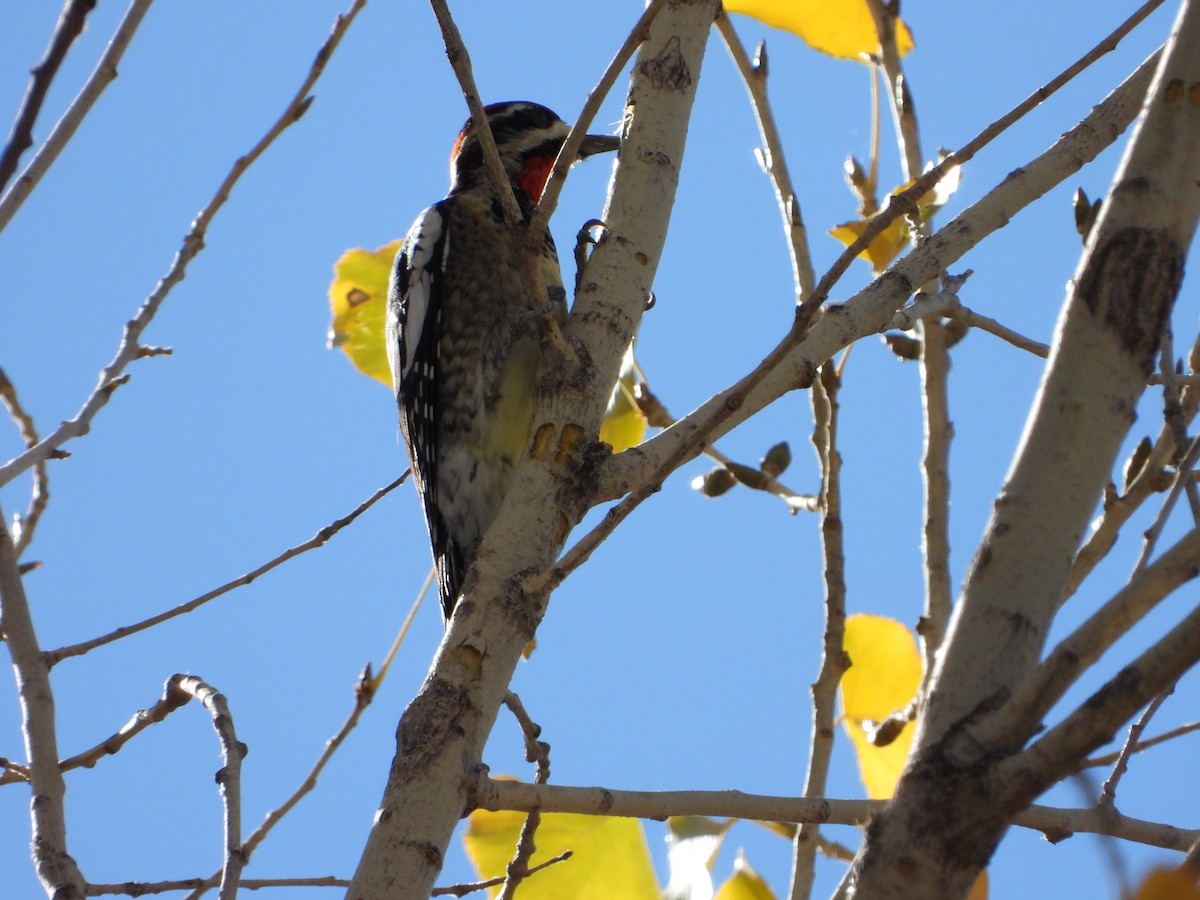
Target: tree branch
{"points": [[39, 494], [130, 349], [20, 138], [58, 872], [1105, 348], [1056, 824], [1022, 715], [639, 471], [53, 657], [364, 693], [102, 76], [834, 661], [771, 156], [451, 717]]}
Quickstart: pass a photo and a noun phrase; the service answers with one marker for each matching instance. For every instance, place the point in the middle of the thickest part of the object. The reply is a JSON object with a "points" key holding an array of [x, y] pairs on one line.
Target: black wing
{"points": [[413, 326]]}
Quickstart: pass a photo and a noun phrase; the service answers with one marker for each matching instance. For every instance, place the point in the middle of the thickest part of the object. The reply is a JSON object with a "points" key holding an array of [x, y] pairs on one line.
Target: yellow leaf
{"points": [[624, 426], [979, 890], [358, 300], [1169, 884], [744, 884], [841, 28], [882, 679], [609, 855]]}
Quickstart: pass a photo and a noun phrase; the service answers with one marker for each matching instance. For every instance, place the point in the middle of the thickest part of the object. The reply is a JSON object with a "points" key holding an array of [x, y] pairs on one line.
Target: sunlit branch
{"points": [[318, 539], [68, 28], [102, 76], [130, 348]]}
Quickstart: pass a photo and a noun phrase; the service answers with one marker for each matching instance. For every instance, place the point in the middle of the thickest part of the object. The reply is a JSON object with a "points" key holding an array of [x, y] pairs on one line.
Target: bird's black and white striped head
{"points": [[528, 137]]}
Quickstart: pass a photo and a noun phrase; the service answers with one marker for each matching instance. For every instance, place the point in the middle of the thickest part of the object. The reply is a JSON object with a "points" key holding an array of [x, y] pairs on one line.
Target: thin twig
{"points": [[1056, 823], [833, 656], [461, 890], [102, 76], [170, 701], [39, 494], [1148, 479], [570, 148], [658, 416], [1109, 758], [460, 61], [934, 365], [1173, 413], [364, 693], [1023, 713], [404, 627], [1108, 793], [1183, 478], [905, 201], [771, 156], [947, 303], [146, 888], [68, 28], [113, 375], [324, 534], [57, 871], [528, 257], [229, 776], [537, 752]]}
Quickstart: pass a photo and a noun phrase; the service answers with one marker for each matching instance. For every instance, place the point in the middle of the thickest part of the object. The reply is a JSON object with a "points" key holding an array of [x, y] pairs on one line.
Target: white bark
{"points": [[952, 806], [871, 309], [442, 733]]}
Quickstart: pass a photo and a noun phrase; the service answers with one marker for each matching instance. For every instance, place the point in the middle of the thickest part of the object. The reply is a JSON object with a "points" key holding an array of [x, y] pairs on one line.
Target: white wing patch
{"points": [[419, 245]]}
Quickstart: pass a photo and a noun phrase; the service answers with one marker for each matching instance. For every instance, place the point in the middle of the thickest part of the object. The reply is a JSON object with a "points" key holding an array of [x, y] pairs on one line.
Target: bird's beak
{"points": [[598, 143]]}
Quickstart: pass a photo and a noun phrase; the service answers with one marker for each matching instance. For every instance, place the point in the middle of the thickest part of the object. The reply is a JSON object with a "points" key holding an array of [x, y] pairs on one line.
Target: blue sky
{"points": [[680, 655]]}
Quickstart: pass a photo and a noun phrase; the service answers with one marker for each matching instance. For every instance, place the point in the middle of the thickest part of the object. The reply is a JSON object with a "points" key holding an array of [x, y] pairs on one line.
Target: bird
{"points": [[462, 333]]}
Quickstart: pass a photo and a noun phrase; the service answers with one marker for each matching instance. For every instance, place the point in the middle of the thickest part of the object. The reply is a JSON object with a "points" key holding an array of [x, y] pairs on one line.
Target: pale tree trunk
{"points": [[967, 777], [443, 731]]}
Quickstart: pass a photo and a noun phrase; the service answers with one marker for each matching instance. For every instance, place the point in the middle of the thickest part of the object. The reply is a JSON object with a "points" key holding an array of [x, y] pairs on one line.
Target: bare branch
{"points": [[462, 890], [771, 156], [944, 303], [58, 872], [40, 492], [905, 201], [460, 61], [1182, 481], [1147, 479], [934, 364], [20, 138], [833, 655], [146, 888], [570, 148], [1093, 723], [53, 657], [1108, 793], [102, 76], [640, 470], [113, 375], [171, 700], [229, 776], [537, 752], [1109, 758], [1023, 713], [1056, 824], [364, 693]]}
